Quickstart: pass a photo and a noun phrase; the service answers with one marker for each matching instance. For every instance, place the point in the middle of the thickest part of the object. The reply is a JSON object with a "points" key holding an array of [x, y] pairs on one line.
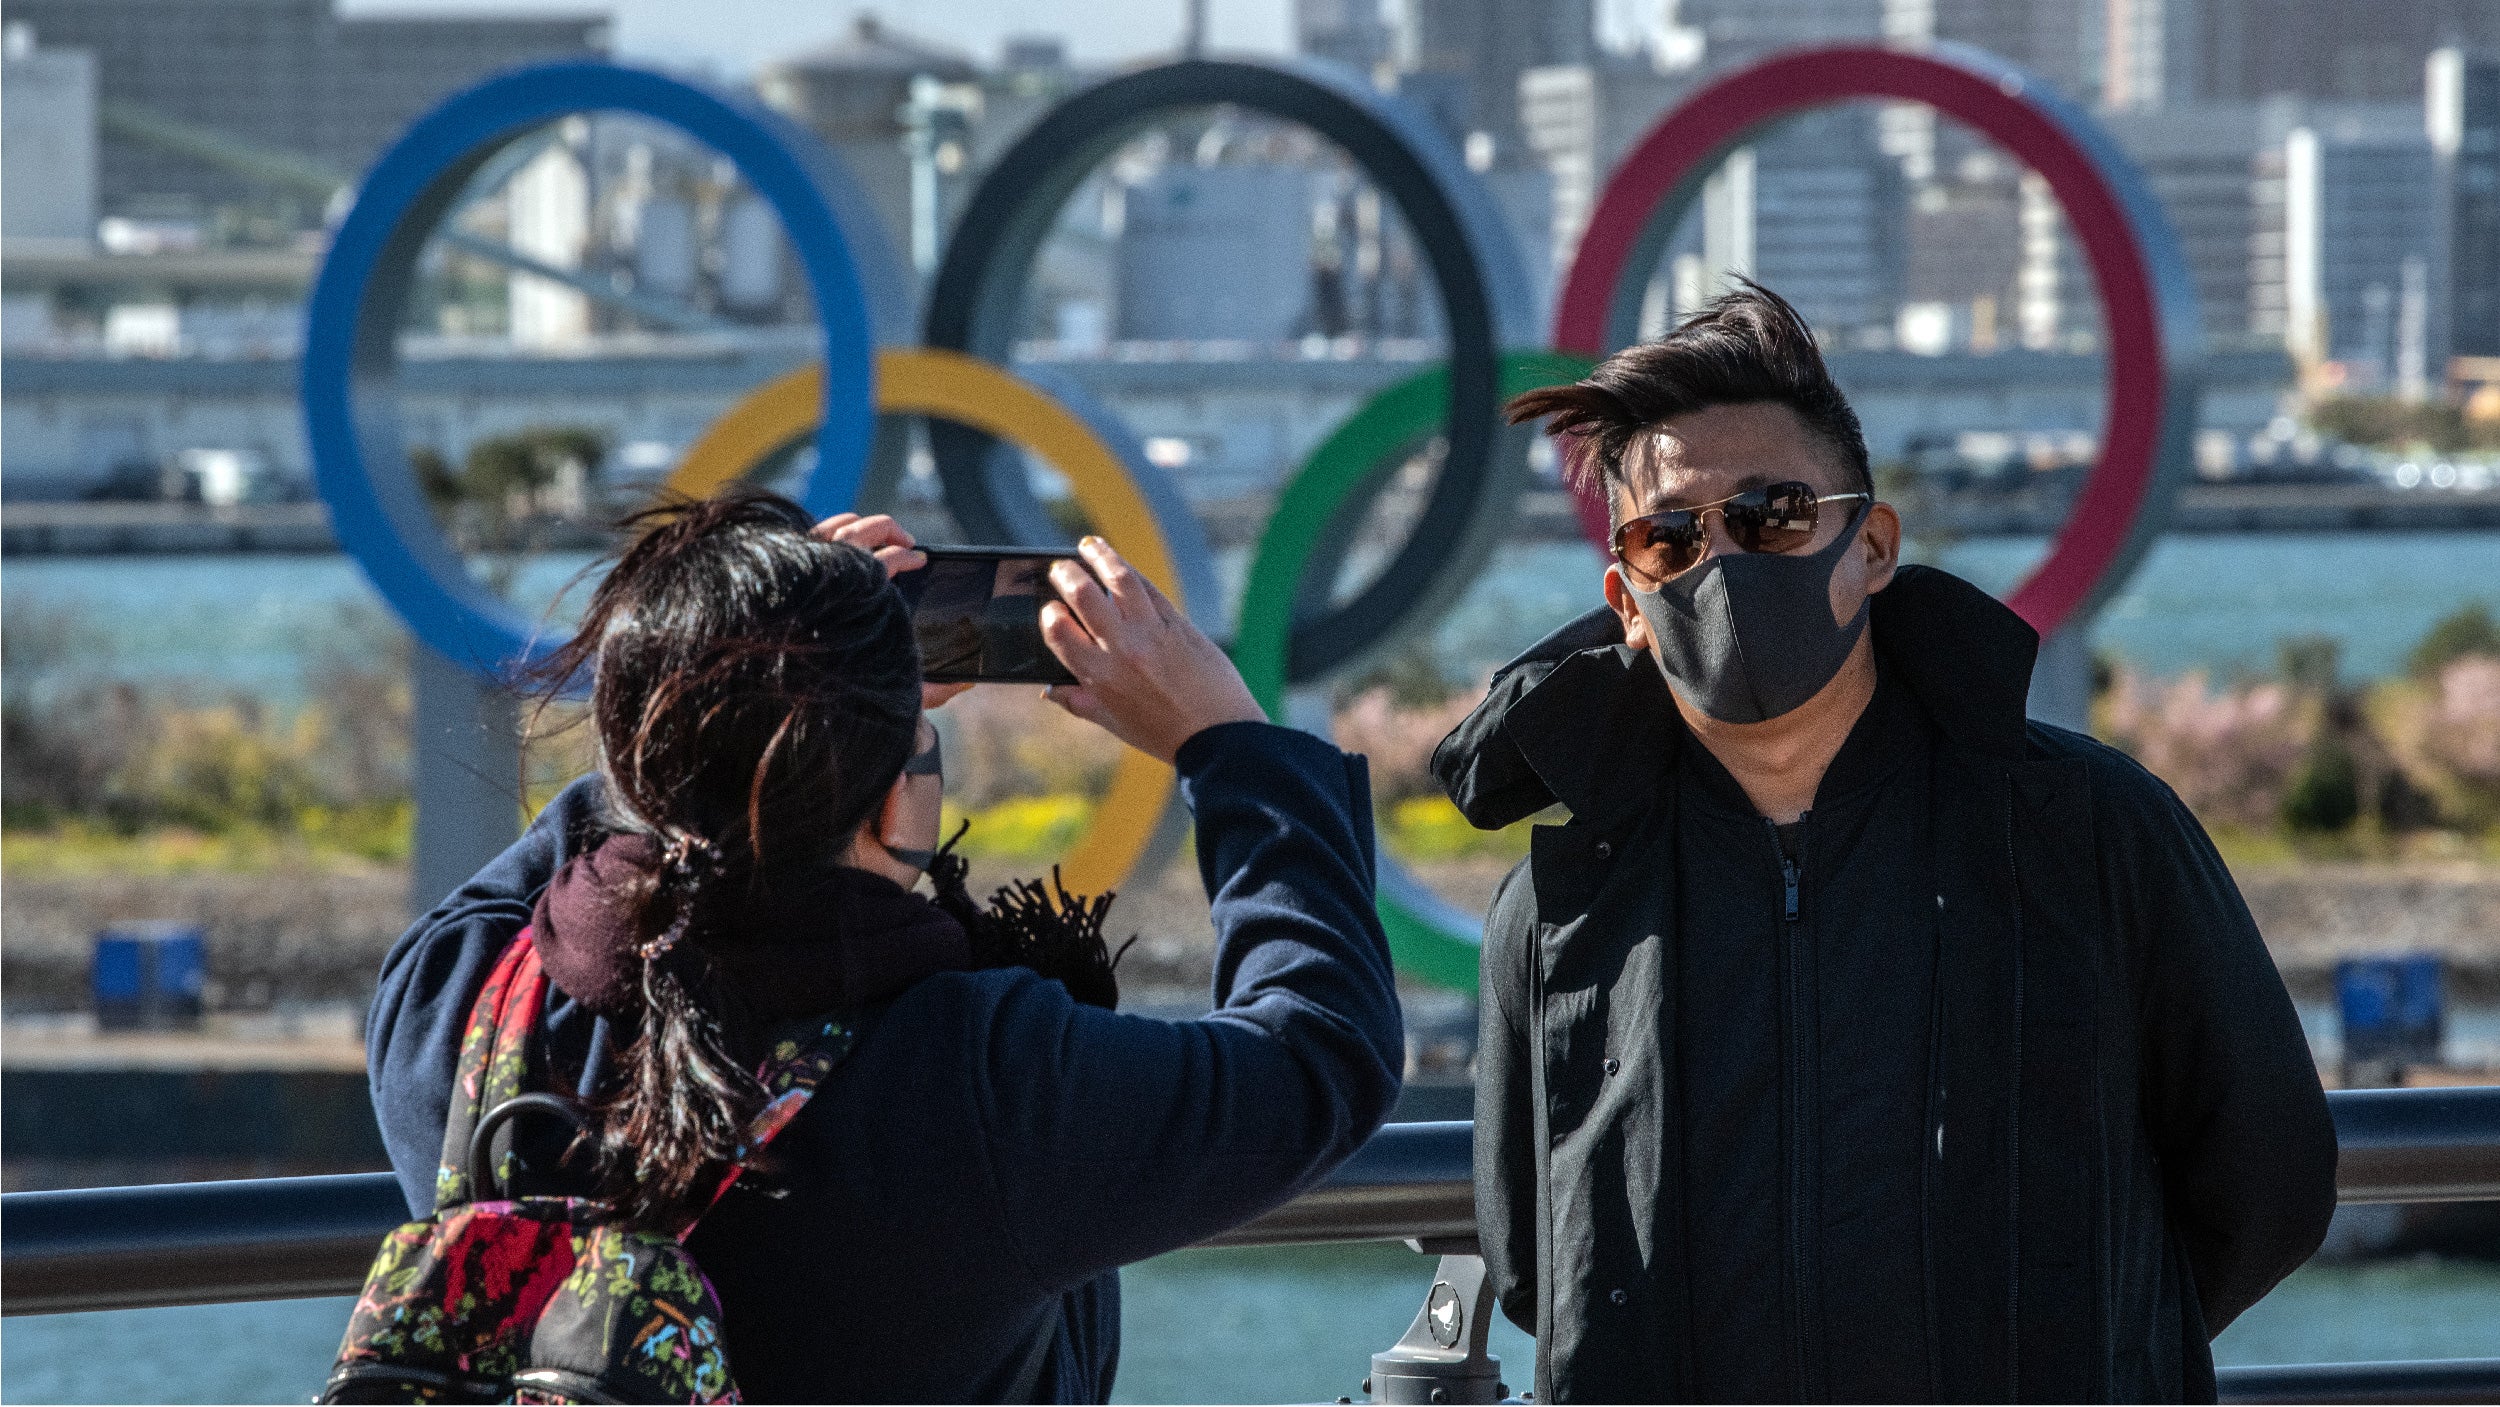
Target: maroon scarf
{"points": [[833, 939]]}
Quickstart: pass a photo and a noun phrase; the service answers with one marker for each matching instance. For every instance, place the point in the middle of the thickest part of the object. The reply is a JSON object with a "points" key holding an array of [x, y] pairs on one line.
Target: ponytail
{"points": [[682, 1105]]}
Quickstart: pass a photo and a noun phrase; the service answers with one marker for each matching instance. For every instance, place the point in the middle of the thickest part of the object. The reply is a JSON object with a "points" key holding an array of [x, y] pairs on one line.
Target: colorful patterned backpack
{"points": [[544, 1299]]}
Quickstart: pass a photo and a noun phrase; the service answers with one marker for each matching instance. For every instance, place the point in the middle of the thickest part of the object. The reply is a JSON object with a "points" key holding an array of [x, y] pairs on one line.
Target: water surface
{"points": [[1291, 1324], [258, 623]]}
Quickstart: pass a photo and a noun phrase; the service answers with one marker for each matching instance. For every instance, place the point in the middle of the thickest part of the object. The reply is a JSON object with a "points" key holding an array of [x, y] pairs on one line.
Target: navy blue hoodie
{"points": [[960, 1190]]}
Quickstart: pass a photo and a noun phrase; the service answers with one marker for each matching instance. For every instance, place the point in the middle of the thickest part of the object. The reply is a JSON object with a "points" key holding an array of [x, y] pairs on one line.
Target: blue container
{"points": [[2394, 1010], [149, 976]]}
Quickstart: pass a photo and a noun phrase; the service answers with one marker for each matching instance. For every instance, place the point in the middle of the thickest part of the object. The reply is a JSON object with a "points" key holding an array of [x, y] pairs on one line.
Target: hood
{"points": [[1582, 719]]}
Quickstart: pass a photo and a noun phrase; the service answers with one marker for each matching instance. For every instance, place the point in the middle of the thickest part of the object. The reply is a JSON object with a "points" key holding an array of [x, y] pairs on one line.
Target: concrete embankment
{"points": [[319, 936]]}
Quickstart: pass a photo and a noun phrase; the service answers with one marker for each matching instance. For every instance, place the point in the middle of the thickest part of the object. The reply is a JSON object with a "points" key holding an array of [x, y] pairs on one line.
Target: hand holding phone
{"points": [[1144, 672]]}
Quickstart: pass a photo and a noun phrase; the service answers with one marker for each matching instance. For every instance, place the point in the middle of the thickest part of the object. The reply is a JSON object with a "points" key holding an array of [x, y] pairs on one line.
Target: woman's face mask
{"points": [[1749, 636]]}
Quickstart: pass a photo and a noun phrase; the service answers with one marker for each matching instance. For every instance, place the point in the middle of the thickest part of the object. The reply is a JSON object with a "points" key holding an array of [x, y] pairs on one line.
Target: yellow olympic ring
{"points": [[951, 386]]}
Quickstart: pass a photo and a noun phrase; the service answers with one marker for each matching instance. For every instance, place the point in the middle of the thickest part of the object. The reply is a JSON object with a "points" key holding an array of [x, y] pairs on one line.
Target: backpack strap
{"points": [[790, 1075], [494, 1060]]}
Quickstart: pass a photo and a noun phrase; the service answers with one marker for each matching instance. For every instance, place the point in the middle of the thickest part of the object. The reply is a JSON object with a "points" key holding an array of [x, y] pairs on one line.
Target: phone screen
{"points": [[978, 614]]}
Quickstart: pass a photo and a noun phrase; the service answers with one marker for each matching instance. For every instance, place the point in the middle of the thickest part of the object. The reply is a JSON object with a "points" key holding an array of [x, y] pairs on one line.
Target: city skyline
{"points": [[733, 38]]}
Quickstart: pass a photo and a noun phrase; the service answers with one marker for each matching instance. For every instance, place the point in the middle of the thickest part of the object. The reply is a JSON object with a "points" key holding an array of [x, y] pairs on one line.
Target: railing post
{"points": [[1443, 1358]]}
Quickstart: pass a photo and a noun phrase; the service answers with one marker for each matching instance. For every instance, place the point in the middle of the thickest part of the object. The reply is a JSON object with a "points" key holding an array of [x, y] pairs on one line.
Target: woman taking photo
{"points": [[940, 1222]]}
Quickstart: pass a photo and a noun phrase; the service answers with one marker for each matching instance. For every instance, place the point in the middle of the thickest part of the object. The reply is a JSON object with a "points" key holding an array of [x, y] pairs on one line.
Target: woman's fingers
{"points": [[1076, 646], [879, 535], [898, 560], [1124, 584], [939, 695], [1095, 610], [868, 534], [1162, 604]]}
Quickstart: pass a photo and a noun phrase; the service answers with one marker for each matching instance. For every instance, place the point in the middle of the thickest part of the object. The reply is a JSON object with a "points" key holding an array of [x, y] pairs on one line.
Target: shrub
{"points": [[1431, 828], [2385, 420], [2231, 755], [2468, 630], [90, 753], [1024, 828], [2325, 794], [2461, 736]]}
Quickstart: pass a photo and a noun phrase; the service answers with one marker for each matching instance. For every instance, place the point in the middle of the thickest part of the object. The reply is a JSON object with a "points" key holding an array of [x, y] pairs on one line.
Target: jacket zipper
{"points": [[1791, 885]]}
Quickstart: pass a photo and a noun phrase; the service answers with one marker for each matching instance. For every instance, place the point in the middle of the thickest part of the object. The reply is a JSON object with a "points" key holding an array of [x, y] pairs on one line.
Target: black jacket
{"points": [[2125, 1145], [954, 1197]]}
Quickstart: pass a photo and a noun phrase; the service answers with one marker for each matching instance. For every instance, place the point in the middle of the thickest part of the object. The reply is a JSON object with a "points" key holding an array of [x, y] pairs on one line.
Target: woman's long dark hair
{"points": [[755, 694]]}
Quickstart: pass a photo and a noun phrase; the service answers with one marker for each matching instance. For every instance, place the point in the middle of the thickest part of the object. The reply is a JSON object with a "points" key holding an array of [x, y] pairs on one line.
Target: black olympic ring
{"points": [[976, 303]]}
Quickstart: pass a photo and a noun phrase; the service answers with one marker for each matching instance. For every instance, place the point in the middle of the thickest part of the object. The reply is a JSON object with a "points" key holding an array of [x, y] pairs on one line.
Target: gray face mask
{"points": [[1749, 635]]}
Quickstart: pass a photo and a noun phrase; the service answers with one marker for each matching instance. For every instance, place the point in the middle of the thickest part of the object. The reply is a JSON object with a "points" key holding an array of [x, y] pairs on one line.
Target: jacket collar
{"points": [[1600, 729]]}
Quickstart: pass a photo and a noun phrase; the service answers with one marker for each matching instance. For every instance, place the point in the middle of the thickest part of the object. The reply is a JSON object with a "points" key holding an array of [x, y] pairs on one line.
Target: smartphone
{"points": [[978, 614]]}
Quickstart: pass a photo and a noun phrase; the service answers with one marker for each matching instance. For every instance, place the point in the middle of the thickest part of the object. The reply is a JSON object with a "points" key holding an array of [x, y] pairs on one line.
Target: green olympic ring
{"points": [[1428, 937]]}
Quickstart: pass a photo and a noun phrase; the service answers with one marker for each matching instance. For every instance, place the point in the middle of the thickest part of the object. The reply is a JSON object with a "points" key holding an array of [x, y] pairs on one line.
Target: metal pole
{"points": [[2061, 679], [466, 754]]}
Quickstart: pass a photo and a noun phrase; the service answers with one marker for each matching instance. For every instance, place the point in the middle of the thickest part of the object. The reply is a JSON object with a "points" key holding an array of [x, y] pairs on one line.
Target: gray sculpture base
{"points": [[466, 756], [2061, 681]]}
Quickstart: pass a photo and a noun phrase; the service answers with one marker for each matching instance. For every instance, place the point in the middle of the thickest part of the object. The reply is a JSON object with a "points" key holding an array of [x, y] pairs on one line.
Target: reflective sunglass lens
{"points": [[1774, 519], [1662, 545]]}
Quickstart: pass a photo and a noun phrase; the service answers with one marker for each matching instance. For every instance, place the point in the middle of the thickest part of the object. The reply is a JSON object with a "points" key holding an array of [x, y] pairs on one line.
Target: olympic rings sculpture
{"points": [[1290, 635]]}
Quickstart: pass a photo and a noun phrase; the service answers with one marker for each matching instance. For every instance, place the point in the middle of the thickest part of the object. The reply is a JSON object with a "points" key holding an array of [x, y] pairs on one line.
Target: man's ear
{"points": [[1619, 600], [1880, 540]]}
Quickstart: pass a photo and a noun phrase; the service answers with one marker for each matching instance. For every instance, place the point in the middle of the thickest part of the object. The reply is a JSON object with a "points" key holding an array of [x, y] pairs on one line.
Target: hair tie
{"points": [[691, 861]]}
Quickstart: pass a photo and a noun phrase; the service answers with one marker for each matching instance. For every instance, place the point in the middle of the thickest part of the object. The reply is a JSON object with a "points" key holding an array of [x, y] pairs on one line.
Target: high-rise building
{"points": [[2202, 161], [1737, 32], [1827, 221], [1253, 221], [1962, 251], [1477, 49], [283, 75], [2151, 54], [1349, 32], [547, 204], [860, 94], [2464, 124], [2360, 213], [2060, 41], [2056, 305], [1812, 208], [47, 141], [2180, 51], [1579, 119]]}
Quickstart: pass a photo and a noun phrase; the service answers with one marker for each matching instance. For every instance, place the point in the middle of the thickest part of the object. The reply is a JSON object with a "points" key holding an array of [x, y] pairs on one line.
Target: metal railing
{"points": [[294, 1237], [282, 1238]]}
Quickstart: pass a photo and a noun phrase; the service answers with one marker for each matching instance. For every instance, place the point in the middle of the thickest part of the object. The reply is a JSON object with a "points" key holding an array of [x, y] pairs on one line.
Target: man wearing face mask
{"points": [[1854, 1039]]}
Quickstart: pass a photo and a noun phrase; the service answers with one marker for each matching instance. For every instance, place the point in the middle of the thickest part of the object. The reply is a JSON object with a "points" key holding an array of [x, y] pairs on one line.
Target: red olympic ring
{"points": [[2148, 311]]}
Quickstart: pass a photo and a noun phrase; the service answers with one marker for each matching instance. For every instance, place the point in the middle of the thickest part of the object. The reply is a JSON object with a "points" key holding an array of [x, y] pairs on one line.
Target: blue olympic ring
{"points": [[351, 338]]}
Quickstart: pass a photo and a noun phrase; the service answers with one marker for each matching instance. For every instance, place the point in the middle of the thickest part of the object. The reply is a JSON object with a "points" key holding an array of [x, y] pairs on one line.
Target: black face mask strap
{"points": [[930, 761]]}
